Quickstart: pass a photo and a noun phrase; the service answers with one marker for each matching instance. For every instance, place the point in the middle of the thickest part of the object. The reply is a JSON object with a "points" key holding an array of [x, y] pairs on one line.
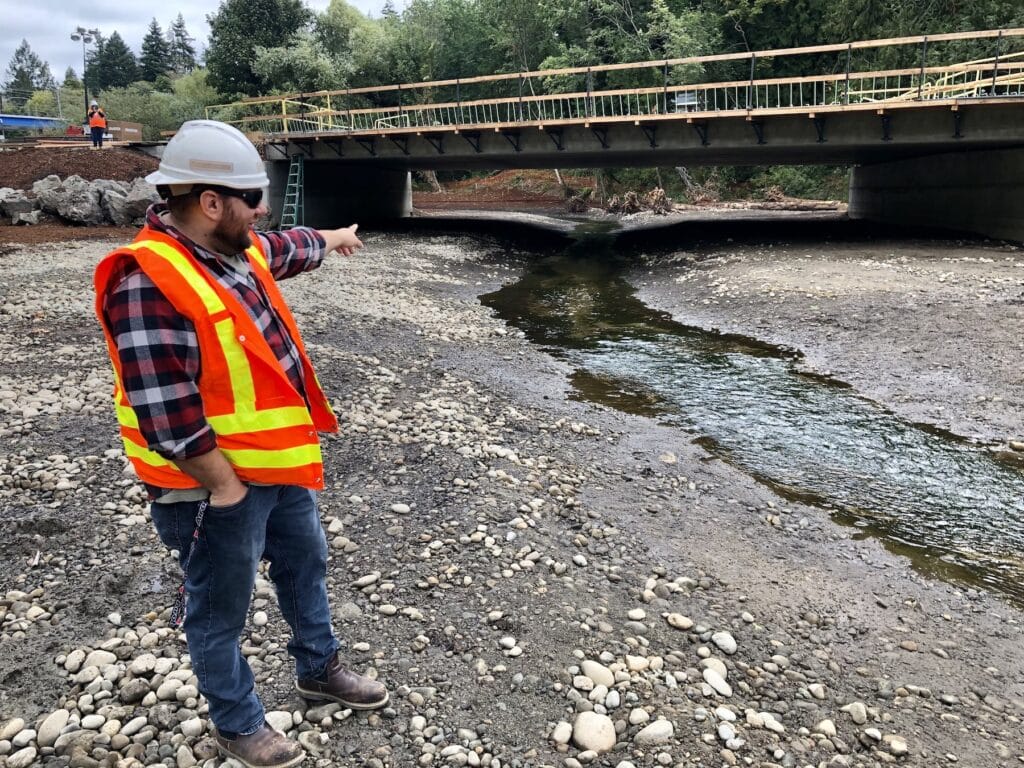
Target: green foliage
{"points": [[158, 111], [811, 182], [237, 29], [520, 32], [438, 39], [156, 54], [195, 89], [43, 103], [302, 66], [335, 27]]}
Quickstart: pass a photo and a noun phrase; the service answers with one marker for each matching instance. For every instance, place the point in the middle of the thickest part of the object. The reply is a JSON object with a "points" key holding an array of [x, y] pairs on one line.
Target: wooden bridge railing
{"points": [[353, 111]]}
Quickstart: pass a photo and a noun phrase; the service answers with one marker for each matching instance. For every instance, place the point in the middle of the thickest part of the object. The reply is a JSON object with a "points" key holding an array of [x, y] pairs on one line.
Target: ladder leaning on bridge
{"points": [[291, 211]]}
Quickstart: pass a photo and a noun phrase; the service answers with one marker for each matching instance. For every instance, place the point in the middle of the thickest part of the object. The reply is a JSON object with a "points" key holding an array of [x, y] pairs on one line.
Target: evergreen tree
{"points": [[238, 28], [71, 79], [27, 73], [181, 47], [93, 56], [116, 65], [156, 54]]}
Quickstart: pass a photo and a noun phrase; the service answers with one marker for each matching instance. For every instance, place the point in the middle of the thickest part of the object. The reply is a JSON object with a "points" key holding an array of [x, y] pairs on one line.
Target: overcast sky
{"points": [[48, 25]]}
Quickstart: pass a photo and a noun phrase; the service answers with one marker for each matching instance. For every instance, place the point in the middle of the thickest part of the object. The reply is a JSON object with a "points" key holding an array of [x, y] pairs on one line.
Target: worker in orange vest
{"points": [[97, 124], [219, 410]]}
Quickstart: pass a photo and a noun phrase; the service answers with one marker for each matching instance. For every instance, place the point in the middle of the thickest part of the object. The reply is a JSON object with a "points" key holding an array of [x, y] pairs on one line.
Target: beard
{"points": [[231, 235]]}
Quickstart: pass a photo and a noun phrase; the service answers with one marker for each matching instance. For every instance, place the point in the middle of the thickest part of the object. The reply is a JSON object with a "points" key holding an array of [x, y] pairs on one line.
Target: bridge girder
{"points": [[837, 138]]}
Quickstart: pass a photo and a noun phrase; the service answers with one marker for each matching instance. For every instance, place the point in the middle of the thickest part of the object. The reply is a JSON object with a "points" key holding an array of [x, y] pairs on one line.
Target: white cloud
{"points": [[48, 25]]}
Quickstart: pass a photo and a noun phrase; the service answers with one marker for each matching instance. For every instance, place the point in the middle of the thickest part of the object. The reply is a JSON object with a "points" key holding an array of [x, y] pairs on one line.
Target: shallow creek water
{"points": [[948, 505]]}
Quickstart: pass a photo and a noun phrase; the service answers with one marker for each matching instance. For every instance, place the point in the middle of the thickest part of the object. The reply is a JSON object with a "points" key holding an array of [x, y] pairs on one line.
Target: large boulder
{"points": [[14, 201], [28, 217], [74, 199], [141, 195], [49, 192], [115, 208], [80, 203], [129, 207], [106, 185]]}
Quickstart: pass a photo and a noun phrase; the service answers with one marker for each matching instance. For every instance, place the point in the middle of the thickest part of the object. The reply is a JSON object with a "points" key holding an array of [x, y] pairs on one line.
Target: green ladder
{"points": [[292, 211]]}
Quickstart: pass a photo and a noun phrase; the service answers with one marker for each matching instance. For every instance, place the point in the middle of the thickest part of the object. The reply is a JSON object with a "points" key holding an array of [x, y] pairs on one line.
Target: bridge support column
{"points": [[337, 194], [980, 192]]}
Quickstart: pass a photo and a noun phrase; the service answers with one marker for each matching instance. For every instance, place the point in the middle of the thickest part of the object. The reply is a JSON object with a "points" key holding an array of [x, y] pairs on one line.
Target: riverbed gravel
{"points": [[540, 582]]}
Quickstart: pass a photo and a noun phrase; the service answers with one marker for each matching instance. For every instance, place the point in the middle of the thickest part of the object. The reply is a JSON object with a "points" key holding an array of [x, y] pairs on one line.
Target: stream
{"points": [[945, 503]]}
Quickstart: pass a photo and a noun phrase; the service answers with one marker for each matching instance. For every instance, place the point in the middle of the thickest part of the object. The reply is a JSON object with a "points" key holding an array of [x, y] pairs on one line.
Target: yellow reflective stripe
{"points": [[254, 253], [196, 281], [254, 458], [271, 418], [134, 451], [126, 416], [243, 389]]}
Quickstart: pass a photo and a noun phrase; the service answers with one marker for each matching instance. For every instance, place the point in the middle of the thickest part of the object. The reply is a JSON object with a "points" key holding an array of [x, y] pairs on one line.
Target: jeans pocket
{"points": [[173, 528], [231, 509]]}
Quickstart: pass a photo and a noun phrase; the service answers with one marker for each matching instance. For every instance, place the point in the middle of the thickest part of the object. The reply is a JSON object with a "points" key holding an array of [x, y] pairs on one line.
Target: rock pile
{"points": [[77, 201]]}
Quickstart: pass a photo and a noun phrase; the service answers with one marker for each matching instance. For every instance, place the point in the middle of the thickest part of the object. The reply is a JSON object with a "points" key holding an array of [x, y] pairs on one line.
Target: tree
{"points": [[238, 28], [27, 73], [335, 26], [440, 39], [91, 76], [156, 54], [302, 66], [520, 32], [116, 66], [180, 47], [71, 79]]}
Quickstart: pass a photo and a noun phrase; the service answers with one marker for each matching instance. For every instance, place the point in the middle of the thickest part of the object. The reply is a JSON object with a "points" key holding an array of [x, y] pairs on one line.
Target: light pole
{"points": [[86, 36]]}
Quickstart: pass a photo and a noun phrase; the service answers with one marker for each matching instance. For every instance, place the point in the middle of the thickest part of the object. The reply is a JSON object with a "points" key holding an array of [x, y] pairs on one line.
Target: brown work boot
{"points": [[266, 748], [345, 687]]}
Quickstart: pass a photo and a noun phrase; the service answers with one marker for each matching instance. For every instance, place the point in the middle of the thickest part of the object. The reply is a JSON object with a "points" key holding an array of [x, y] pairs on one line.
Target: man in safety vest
{"points": [[97, 124], [219, 410]]}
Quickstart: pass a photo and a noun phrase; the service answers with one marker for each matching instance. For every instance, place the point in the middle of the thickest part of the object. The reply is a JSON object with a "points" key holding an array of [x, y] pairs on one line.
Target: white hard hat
{"points": [[210, 152], [94, 103]]}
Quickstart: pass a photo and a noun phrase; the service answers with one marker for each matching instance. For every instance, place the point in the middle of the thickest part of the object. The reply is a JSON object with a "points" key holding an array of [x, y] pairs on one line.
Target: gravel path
{"points": [[541, 582]]}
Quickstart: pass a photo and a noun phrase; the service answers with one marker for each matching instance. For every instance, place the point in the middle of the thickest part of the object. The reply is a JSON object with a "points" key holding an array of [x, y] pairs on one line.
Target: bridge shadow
{"points": [[753, 228], [681, 232]]}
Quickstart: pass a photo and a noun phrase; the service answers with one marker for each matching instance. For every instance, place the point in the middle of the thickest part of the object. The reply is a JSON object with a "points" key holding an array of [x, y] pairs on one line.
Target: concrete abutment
{"points": [[981, 192]]}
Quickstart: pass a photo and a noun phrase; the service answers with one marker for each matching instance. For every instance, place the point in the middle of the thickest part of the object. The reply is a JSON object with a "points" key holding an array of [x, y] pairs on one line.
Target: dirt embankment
{"points": [[21, 167], [539, 581]]}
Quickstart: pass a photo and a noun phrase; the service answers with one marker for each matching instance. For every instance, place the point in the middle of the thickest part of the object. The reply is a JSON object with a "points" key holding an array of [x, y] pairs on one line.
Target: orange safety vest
{"points": [[97, 119], [263, 425]]}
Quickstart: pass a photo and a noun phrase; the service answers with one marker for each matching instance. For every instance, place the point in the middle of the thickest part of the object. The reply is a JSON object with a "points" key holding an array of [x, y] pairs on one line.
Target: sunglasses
{"points": [[251, 197]]}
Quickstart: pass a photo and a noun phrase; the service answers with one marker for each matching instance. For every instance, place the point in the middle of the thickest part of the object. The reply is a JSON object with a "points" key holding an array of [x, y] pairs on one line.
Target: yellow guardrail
{"points": [[363, 110]]}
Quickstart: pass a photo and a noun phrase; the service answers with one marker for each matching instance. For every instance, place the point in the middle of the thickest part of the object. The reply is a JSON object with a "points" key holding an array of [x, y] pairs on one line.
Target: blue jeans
{"points": [[279, 523]]}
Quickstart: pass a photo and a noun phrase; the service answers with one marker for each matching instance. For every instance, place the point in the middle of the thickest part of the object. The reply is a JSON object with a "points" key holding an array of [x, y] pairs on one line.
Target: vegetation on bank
{"points": [[584, 188], [259, 47]]}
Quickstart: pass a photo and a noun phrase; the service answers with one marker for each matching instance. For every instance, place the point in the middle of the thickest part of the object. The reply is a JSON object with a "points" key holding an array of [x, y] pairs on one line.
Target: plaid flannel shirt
{"points": [[158, 348]]}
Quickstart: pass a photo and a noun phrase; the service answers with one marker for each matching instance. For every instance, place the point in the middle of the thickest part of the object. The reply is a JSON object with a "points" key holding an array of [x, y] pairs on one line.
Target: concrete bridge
{"points": [[932, 144]]}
